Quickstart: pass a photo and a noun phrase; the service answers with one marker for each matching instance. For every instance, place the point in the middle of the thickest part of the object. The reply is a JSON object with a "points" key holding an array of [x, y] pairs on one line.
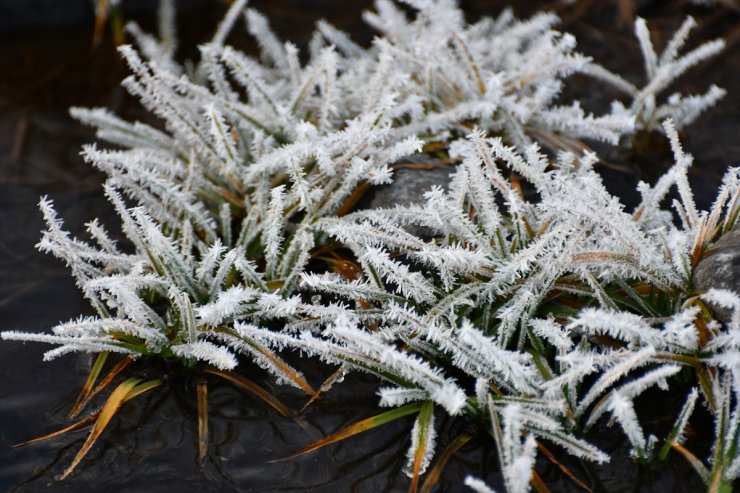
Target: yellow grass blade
{"points": [[97, 367], [693, 460], [141, 388], [112, 374], [106, 414], [125, 391], [87, 421], [436, 471], [249, 385], [360, 426], [425, 418], [202, 391]]}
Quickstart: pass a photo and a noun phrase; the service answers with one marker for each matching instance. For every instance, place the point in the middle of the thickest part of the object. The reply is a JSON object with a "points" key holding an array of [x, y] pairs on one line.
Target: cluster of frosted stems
{"points": [[256, 165]]}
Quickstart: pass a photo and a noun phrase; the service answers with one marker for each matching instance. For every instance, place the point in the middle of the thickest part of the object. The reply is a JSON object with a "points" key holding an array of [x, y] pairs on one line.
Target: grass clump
{"points": [[525, 298]]}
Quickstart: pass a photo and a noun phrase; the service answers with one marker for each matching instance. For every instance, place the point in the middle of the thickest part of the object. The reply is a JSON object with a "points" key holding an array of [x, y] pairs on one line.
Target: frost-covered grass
{"points": [[536, 317]]}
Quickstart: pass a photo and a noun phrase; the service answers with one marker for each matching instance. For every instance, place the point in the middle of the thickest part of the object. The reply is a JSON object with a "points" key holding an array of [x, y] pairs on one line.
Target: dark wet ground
{"points": [[152, 445]]}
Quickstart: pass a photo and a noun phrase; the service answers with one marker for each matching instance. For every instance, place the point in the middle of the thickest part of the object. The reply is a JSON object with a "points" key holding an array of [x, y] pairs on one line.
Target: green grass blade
{"points": [[361, 426], [423, 440], [680, 426]]}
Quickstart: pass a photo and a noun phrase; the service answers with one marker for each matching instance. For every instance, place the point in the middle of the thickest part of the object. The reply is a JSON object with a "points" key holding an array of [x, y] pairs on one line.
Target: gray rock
{"points": [[720, 268], [409, 184]]}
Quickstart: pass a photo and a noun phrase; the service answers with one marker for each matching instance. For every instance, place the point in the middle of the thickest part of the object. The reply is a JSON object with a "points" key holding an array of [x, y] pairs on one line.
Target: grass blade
{"points": [[693, 460], [86, 390], [202, 391], [538, 484], [112, 374], [562, 467], [327, 385], [352, 200], [436, 471], [680, 424], [284, 368], [360, 426], [141, 388], [78, 425], [87, 421], [423, 440], [498, 436], [106, 414], [247, 384]]}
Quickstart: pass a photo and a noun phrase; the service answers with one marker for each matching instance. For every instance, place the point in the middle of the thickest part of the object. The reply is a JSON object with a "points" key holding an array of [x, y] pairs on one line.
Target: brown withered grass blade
{"points": [[89, 392], [360, 426], [424, 434], [693, 460], [352, 200], [295, 377], [77, 425], [247, 384], [538, 484], [436, 471], [101, 17], [202, 391], [111, 407], [327, 385], [562, 466], [87, 421]]}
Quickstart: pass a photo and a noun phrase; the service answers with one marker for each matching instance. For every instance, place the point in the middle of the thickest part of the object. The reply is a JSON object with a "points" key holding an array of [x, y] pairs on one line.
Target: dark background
{"points": [[47, 64]]}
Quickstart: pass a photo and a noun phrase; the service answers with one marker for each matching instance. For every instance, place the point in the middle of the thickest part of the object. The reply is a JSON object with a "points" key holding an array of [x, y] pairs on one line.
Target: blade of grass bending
{"points": [[538, 484], [352, 200], [141, 388], [78, 425], [202, 391], [112, 374], [327, 385], [562, 466], [249, 385], [680, 424], [299, 380], [360, 426], [84, 395], [106, 414], [436, 471], [693, 460], [87, 421], [424, 434]]}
